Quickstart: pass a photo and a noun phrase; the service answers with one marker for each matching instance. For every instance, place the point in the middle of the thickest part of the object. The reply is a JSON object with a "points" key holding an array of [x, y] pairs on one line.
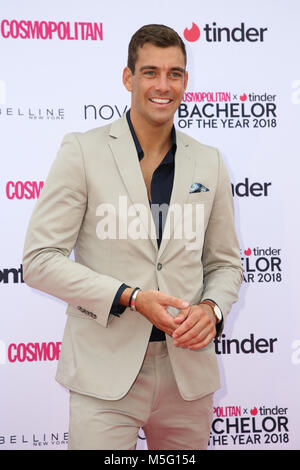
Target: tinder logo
{"points": [[192, 34], [213, 33]]}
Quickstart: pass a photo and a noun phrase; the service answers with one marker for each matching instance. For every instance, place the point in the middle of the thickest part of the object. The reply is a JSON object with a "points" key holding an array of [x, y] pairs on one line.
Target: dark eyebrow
{"points": [[153, 67], [178, 69]]}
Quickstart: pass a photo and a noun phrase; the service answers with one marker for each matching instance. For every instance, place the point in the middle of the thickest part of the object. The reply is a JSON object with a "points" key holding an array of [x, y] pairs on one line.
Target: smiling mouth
{"points": [[160, 100]]}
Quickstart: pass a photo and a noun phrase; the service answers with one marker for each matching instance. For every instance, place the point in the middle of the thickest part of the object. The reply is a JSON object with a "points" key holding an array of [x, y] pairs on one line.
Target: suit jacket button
{"points": [[159, 266]]}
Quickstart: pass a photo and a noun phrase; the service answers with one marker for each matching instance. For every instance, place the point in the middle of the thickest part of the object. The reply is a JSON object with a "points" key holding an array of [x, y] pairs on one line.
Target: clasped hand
{"points": [[197, 327], [192, 328]]}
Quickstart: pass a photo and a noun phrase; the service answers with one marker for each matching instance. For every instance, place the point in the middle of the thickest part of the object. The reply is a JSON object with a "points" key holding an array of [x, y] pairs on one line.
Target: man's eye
{"points": [[149, 73], [176, 74]]}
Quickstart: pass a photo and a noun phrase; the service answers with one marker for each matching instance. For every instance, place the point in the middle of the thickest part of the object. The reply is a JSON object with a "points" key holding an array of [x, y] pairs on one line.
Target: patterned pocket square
{"points": [[198, 188]]}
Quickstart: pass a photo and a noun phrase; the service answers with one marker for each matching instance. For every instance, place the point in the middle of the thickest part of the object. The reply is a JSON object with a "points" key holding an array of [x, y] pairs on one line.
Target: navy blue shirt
{"points": [[161, 190]]}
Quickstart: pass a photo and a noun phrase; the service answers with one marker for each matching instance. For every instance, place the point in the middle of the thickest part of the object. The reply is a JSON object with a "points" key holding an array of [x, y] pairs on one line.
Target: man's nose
{"points": [[162, 84]]}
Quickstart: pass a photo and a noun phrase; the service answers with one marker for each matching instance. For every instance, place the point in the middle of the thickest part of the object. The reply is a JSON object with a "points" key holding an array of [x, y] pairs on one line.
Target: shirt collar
{"points": [[169, 158]]}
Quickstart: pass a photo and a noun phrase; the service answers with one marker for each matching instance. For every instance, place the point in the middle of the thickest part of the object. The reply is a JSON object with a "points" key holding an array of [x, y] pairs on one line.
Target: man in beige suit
{"points": [[148, 288]]}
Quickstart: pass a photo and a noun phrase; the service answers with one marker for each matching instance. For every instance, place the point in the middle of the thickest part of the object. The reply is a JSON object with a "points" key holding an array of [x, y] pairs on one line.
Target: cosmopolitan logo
{"points": [[30, 352], [217, 96], [77, 31], [23, 189], [214, 33], [206, 96]]}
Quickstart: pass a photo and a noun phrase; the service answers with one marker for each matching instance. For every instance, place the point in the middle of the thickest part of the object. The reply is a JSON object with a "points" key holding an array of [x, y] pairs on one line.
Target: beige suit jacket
{"points": [[101, 353]]}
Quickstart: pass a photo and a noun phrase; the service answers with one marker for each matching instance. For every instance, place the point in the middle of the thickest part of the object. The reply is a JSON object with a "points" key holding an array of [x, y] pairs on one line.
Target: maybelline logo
{"points": [[35, 439], [33, 113]]}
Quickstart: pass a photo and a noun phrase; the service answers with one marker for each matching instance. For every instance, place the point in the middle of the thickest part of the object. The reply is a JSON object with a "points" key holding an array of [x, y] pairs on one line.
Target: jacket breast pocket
{"points": [[199, 198], [197, 210]]}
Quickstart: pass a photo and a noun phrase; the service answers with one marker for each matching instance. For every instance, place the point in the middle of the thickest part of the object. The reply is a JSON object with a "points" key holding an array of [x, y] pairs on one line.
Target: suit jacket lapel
{"points": [[184, 170], [124, 151]]}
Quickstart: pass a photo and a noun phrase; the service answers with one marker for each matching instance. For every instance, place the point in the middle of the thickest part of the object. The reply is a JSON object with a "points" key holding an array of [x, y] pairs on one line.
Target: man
{"points": [[149, 289]]}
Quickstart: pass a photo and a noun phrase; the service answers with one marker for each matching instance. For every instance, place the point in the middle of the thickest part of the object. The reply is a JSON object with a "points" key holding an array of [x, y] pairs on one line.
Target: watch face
{"points": [[218, 312]]}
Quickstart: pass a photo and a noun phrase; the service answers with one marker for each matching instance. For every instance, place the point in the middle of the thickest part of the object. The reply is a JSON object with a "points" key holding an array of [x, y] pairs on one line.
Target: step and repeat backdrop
{"points": [[61, 69]]}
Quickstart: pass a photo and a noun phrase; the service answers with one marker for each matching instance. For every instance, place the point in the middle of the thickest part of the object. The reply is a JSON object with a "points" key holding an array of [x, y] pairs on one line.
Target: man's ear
{"points": [[127, 78]]}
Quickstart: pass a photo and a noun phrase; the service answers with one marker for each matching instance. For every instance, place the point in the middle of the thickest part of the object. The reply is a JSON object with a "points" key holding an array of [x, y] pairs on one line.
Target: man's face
{"points": [[158, 83]]}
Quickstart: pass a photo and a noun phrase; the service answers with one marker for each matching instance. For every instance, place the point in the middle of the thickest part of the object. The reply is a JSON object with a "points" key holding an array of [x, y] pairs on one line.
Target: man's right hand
{"points": [[153, 305]]}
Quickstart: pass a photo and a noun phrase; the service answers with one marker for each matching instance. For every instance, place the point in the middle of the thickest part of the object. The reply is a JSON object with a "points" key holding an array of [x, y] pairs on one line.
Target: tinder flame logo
{"points": [[192, 34]]}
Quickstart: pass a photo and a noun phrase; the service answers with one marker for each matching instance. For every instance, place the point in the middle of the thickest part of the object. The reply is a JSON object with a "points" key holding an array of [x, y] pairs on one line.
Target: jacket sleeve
{"points": [[51, 236], [221, 259]]}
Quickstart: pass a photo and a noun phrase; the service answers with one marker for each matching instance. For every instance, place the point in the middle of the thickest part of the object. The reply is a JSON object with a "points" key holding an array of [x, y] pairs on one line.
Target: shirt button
{"points": [[159, 266]]}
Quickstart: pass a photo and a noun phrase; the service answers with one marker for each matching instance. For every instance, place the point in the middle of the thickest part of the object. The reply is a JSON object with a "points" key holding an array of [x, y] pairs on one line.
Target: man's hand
{"points": [[153, 305], [196, 327]]}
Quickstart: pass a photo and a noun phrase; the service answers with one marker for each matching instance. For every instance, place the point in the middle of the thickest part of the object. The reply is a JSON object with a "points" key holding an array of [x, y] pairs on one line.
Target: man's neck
{"points": [[154, 139]]}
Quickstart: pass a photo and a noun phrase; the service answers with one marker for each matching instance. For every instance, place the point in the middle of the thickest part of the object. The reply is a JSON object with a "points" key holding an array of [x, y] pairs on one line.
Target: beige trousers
{"points": [[153, 403]]}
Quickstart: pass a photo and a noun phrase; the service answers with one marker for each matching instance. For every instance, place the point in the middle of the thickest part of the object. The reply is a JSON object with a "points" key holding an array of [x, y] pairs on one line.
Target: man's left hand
{"points": [[197, 327]]}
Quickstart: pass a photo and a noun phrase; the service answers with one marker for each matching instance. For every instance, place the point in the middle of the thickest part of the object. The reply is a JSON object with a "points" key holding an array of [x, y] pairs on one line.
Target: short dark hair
{"points": [[156, 34]]}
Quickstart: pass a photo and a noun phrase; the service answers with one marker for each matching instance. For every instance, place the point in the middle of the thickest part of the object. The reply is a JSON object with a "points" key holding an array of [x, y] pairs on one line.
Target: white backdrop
{"points": [[60, 70]]}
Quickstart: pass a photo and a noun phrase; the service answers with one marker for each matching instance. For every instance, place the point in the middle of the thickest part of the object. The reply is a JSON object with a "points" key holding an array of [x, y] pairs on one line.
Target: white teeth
{"points": [[160, 100]]}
